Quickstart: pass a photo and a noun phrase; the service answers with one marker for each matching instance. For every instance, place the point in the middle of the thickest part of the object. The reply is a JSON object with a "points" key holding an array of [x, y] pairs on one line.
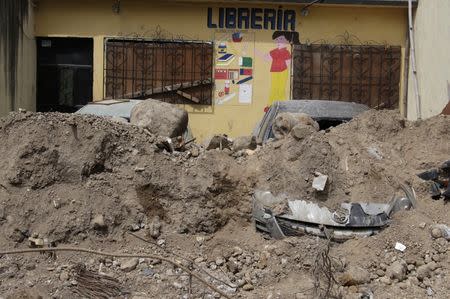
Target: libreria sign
{"points": [[251, 18]]}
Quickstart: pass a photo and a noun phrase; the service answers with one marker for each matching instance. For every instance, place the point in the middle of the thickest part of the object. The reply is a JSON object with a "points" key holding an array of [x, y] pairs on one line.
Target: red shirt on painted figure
{"points": [[279, 57]]}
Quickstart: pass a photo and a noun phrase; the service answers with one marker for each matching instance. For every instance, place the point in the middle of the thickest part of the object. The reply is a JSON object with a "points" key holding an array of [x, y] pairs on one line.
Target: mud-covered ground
{"points": [[87, 182]]}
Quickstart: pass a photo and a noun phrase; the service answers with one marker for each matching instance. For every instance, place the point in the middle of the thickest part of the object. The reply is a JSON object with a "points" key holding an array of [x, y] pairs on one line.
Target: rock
{"points": [[354, 276], [218, 142], [300, 132], [244, 143], [385, 280], [233, 267], [195, 151], [248, 287], [98, 222], [129, 265], [220, 261], [64, 276], [380, 273], [285, 122], [423, 272], [397, 270], [160, 118], [422, 225], [436, 233], [155, 227]]}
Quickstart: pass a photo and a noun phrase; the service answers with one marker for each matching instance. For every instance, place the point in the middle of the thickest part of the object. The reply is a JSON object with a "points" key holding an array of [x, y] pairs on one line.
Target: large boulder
{"points": [[160, 118], [285, 122]]}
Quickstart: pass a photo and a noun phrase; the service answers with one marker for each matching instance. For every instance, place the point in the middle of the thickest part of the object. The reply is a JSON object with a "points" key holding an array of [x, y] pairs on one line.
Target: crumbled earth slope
{"points": [[61, 171]]}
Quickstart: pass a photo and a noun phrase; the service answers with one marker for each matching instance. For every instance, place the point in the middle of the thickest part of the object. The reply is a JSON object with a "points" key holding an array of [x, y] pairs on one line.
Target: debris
{"points": [[301, 131], [352, 219], [248, 287], [160, 118], [320, 181], [439, 181], [285, 122], [397, 270], [36, 242], [354, 275], [155, 228], [98, 222], [130, 265], [440, 231], [400, 247], [374, 152], [244, 143], [219, 142]]}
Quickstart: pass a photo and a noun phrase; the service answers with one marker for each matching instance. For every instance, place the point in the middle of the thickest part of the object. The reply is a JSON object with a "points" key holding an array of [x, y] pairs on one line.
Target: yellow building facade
{"points": [[240, 95]]}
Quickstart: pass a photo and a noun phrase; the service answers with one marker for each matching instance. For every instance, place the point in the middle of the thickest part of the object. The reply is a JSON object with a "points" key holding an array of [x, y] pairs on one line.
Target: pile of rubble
{"points": [[145, 215]]}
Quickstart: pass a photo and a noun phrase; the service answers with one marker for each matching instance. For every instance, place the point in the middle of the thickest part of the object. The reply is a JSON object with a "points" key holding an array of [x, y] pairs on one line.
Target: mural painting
{"points": [[234, 64], [280, 64]]}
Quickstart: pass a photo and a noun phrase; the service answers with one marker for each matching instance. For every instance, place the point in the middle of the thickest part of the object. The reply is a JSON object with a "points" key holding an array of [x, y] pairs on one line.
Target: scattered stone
{"points": [[220, 261], [248, 287], [135, 227], [232, 267], [244, 143], [219, 142], [195, 151], [397, 270], [436, 233], [155, 227], [300, 132], [385, 280], [354, 276], [430, 291], [64, 276], [285, 122], [422, 225], [98, 222], [160, 118], [129, 265]]}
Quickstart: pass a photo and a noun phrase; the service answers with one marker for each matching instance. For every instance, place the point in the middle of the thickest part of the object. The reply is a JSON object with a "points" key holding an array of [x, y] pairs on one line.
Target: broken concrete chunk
{"points": [[285, 122], [320, 182], [155, 228], [160, 118], [354, 276], [129, 265], [397, 270], [302, 131], [244, 143], [98, 222], [36, 242], [440, 231], [219, 142]]}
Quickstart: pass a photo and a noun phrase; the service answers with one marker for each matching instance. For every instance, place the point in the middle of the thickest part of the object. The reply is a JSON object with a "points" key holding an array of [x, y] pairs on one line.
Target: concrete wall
{"points": [[86, 18], [25, 83], [432, 40]]}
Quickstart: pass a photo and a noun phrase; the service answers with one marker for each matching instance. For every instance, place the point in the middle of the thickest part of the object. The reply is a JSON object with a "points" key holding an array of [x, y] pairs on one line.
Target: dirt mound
{"points": [[85, 181], [365, 159]]}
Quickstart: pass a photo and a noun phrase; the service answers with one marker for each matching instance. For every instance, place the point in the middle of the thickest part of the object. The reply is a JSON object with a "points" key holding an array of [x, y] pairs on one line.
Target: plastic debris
{"points": [[400, 247]]}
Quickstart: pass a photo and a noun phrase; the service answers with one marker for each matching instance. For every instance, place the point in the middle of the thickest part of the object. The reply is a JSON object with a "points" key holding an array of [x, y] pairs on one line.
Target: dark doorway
{"points": [[64, 73]]}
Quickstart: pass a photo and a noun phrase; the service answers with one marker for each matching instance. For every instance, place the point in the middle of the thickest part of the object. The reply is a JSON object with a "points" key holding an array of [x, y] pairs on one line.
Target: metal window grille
{"points": [[172, 71], [363, 74]]}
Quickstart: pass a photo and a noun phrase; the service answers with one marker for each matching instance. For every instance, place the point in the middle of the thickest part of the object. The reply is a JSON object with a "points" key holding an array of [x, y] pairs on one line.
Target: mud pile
{"points": [[87, 182]]}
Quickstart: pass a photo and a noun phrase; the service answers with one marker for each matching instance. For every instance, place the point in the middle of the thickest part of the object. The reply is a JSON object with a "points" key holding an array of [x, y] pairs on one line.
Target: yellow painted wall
{"points": [[25, 73], [86, 18], [432, 41]]}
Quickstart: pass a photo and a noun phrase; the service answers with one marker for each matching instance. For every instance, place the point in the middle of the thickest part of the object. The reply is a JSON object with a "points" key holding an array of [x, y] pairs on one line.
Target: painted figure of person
{"points": [[280, 59]]}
